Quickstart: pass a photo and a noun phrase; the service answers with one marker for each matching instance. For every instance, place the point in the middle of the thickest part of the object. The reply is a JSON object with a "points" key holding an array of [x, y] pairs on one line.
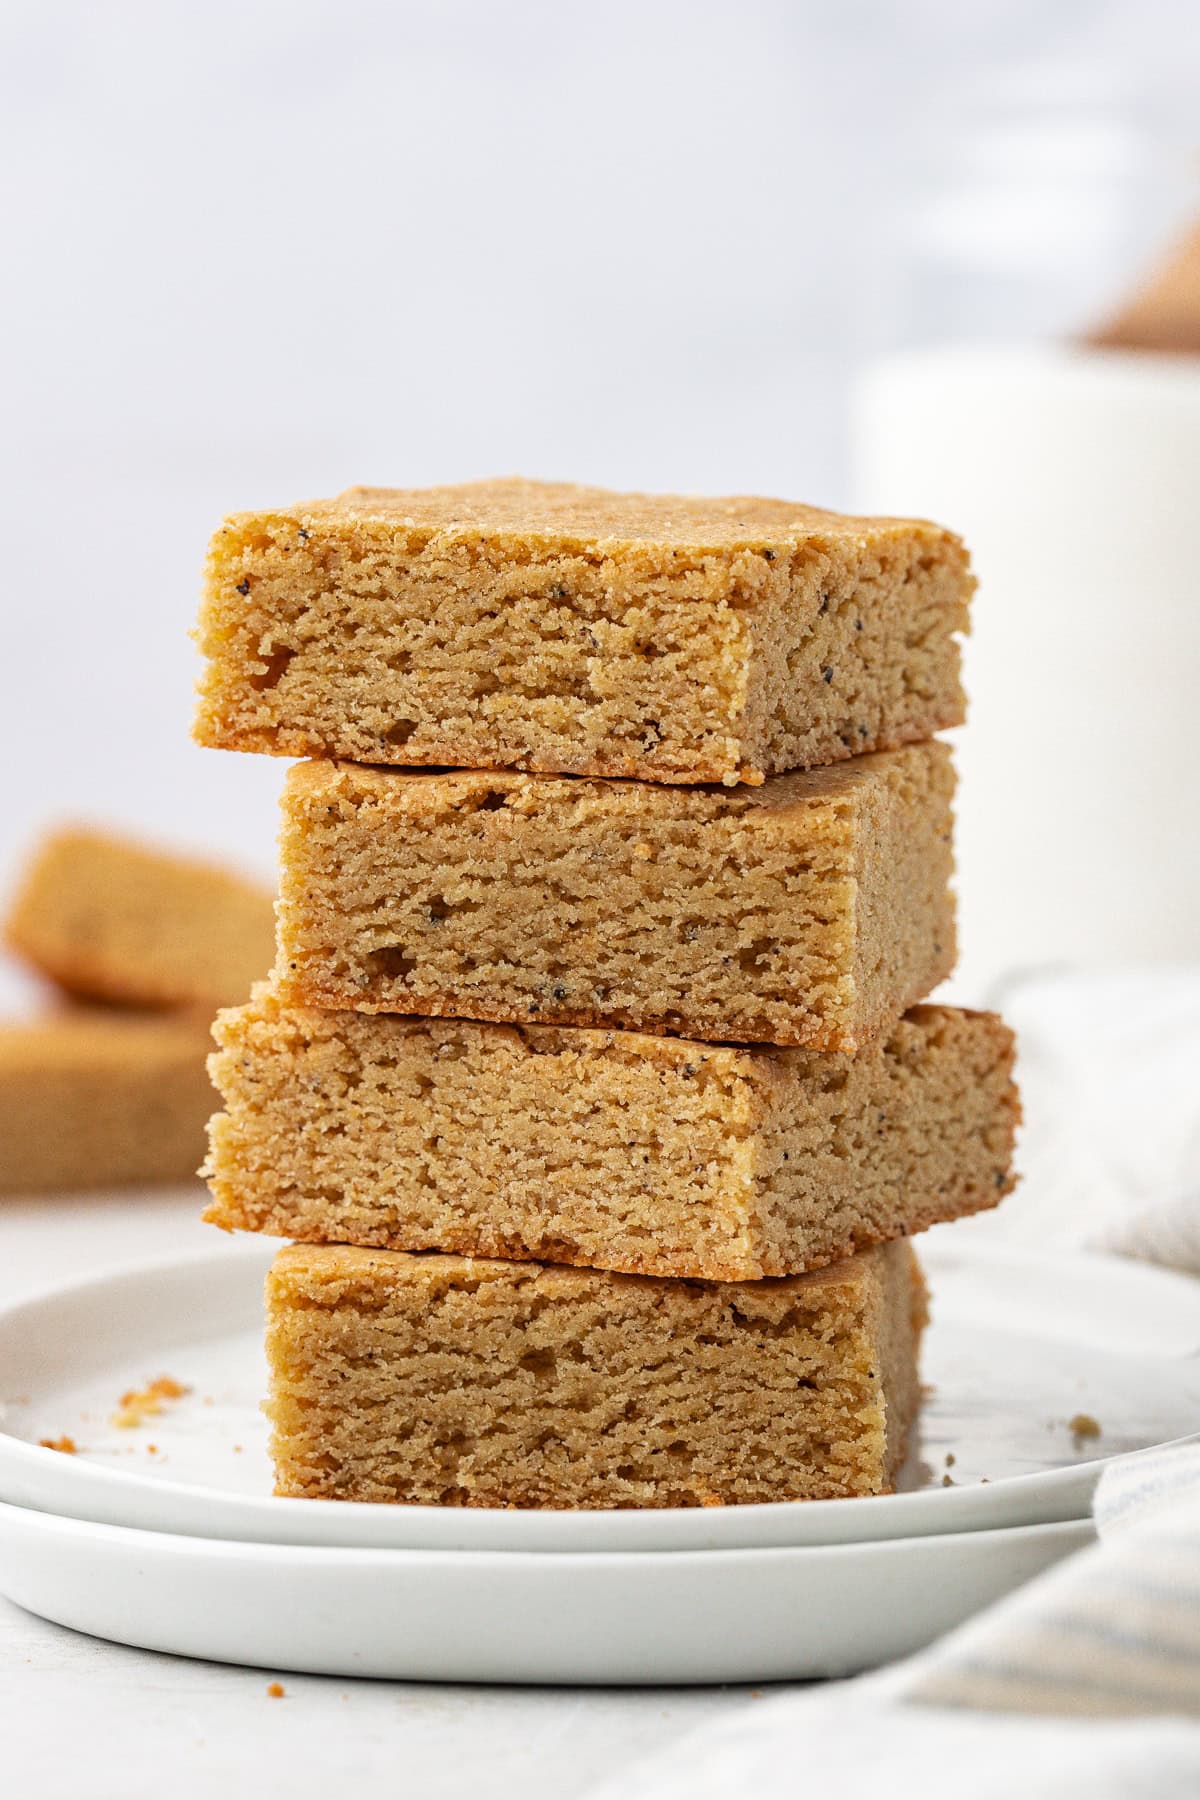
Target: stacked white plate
{"points": [[181, 1547]]}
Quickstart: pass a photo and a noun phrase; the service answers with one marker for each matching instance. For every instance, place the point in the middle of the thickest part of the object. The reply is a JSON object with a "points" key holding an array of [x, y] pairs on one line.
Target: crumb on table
{"points": [[65, 1444], [276, 1690], [1083, 1426]]}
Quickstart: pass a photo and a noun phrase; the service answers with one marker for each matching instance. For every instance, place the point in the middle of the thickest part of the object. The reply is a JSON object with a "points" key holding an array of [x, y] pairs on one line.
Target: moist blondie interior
{"points": [[545, 626], [812, 910], [608, 1149]]}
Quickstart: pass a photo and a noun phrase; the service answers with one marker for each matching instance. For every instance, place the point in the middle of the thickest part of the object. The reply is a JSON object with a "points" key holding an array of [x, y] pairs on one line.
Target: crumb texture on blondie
{"points": [[812, 910], [446, 1381], [543, 626], [605, 1149]]}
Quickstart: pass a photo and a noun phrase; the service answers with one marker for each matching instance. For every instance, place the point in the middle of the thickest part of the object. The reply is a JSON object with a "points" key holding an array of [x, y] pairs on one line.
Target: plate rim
{"points": [[779, 1612], [958, 1504], [168, 1543]]}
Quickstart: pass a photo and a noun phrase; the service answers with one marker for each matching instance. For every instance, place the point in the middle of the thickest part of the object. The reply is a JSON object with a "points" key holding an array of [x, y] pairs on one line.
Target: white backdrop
{"points": [[260, 251]]}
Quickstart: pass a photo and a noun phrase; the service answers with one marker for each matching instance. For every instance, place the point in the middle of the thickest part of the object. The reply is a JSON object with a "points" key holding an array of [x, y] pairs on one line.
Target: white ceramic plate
{"points": [[1020, 1344], [517, 1616]]}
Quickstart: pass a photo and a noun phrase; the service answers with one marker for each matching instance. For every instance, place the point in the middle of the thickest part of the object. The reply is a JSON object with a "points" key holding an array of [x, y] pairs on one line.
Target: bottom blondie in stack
{"points": [[451, 1381], [591, 1083]]}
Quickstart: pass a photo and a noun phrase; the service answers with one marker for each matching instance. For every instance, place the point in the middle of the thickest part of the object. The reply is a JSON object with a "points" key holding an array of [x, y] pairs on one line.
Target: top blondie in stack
{"points": [[590, 1079]]}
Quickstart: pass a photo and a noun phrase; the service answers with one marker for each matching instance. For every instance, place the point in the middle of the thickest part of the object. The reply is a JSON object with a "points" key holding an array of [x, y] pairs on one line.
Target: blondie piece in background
{"points": [[657, 1156], [539, 625], [812, 910], [100, 1098], [107, 919], [439, 1380]]}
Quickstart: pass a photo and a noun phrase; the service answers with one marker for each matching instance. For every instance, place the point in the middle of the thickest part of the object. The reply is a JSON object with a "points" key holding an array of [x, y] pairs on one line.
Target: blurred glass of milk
{"points": [[1074, 476]]}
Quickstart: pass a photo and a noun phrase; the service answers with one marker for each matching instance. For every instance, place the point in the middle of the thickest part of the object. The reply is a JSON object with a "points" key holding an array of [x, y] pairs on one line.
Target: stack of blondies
{"points": [[591, 1082]]}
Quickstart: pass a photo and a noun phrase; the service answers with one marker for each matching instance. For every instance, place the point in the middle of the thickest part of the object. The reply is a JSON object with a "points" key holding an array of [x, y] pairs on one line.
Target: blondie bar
{"points": [[96, 1098], [651, 1155], [111, 920], [812, 910], [535, 625], [439, 1380]]}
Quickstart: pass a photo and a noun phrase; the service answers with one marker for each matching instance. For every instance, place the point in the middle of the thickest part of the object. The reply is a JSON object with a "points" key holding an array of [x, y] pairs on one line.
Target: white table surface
{"points": [[85, 1720]]}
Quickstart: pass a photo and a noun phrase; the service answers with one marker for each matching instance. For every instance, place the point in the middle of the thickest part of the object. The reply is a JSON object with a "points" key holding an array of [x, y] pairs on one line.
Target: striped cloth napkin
{"points": [[1114, 1630], [1086, 1681], [1107, 1643]]}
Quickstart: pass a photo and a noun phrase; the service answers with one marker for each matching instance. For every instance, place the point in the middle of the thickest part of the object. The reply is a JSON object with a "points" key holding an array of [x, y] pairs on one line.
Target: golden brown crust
{"points": [[329, 1274], [607, 765], [480, 1242], [437, 790], [755, 1029], [515, 513]]}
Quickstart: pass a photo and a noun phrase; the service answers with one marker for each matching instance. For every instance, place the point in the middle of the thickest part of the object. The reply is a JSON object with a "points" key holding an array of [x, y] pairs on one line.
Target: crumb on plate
{"points": [[140, 1404]]}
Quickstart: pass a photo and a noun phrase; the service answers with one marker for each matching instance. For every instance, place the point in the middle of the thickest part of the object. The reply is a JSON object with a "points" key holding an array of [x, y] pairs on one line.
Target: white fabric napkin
{"points": [[1109, 1067], [847, 1744], [1086, 1681]]}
